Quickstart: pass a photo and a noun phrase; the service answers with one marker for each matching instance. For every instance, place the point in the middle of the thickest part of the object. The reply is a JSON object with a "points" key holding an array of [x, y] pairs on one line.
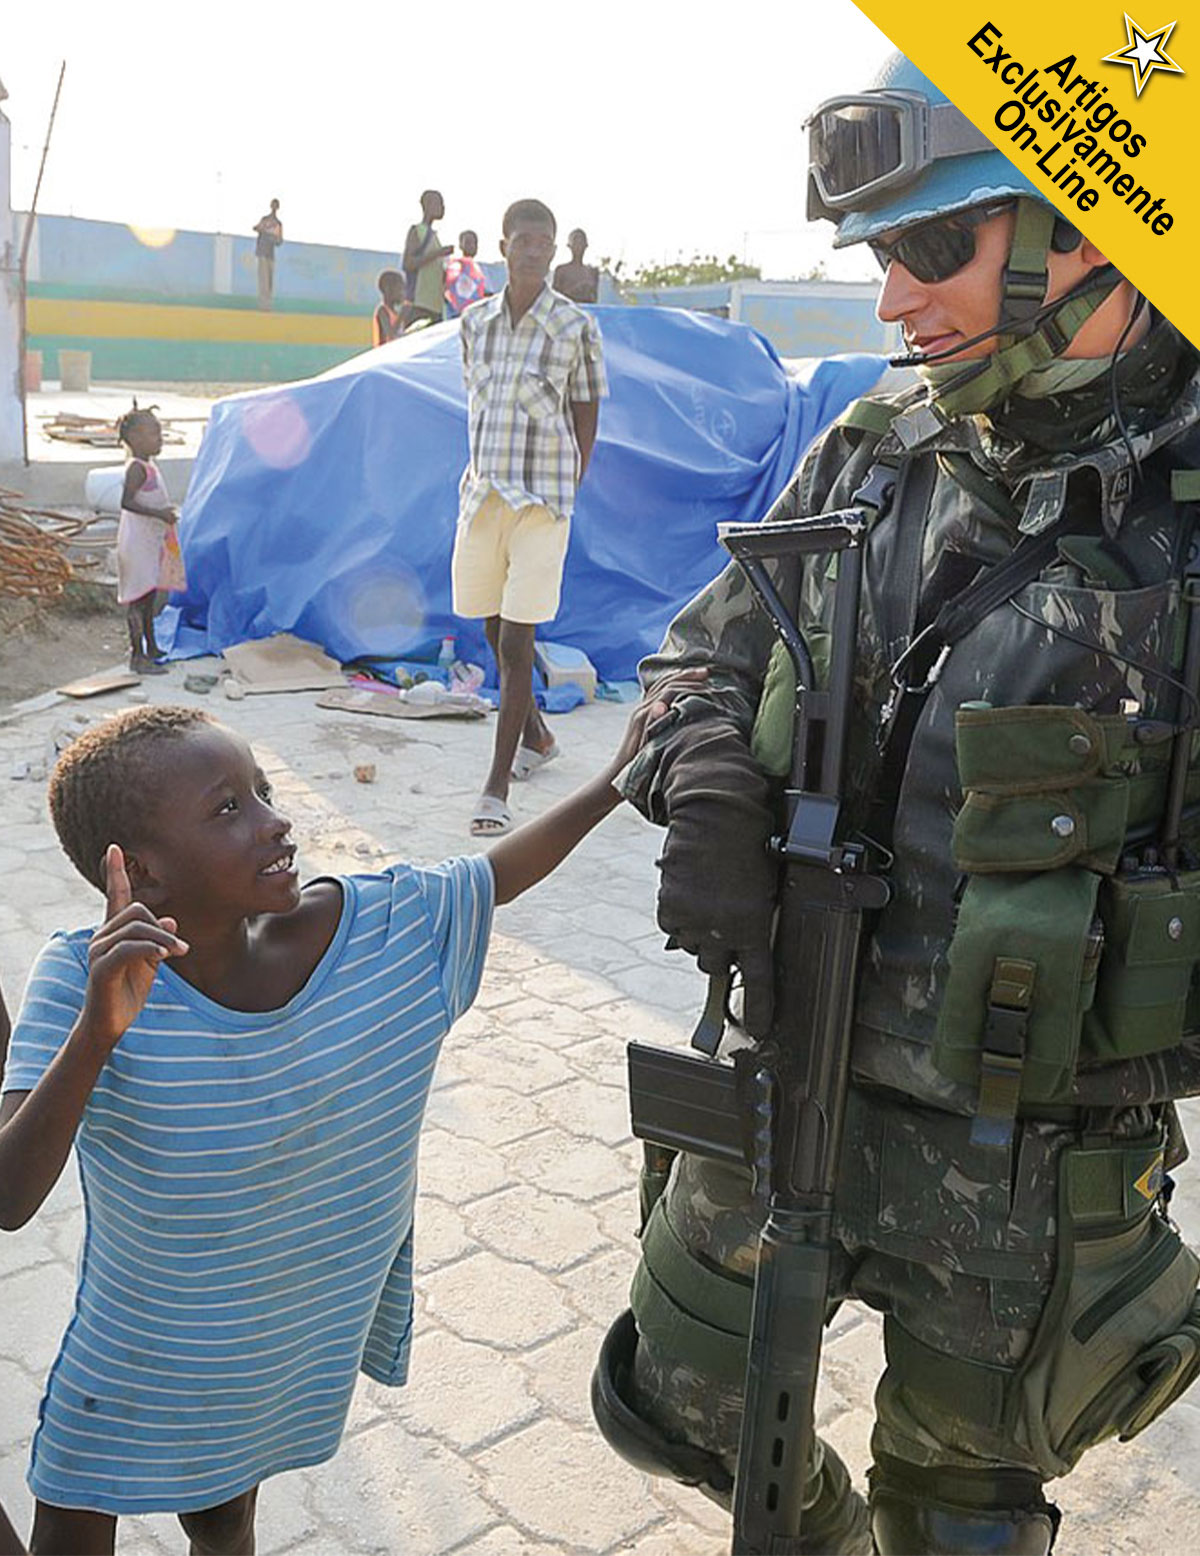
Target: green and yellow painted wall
{"points": [[192, 339], [163, 306]]}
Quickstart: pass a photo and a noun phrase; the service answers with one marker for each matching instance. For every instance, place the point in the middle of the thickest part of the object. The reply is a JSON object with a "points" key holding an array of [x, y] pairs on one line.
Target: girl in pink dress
{"points": [[149, 561]]}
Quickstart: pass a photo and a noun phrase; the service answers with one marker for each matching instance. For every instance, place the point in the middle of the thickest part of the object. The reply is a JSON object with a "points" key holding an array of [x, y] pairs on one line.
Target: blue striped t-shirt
{"points": [[248, 1181]]}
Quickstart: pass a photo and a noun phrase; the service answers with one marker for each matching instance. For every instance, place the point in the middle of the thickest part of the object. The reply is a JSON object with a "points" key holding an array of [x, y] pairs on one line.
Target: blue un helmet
{"points": [[901, 154]]}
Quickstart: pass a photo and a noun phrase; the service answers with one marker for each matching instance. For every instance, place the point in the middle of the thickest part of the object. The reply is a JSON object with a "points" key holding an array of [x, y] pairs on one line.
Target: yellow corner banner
{"points": [[1092, 104]]}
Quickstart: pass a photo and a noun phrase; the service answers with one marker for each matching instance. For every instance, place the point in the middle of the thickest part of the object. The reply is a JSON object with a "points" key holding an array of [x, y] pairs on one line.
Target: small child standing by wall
{"points": [[242, 1066], [387, 322], [149, 561]]}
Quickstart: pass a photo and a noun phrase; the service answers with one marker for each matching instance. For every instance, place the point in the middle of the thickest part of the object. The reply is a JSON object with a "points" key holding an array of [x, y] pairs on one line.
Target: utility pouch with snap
{"points": [[1044, 816], [1151, 948]]}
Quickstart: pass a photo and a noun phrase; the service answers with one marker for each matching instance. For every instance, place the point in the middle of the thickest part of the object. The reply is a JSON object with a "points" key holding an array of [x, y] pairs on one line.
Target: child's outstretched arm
{"points": [[37, 1127], [527, 855]]}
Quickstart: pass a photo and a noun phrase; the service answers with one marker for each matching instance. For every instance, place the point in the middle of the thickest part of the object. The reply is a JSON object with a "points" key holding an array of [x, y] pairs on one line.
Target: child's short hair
{"points": [[137, 413], [389, 278], [99, 789], [528, 211]]}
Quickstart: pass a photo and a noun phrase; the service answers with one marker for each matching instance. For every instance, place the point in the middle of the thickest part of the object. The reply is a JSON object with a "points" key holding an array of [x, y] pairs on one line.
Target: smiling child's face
{"points": [[216, 847], [145, 437]]}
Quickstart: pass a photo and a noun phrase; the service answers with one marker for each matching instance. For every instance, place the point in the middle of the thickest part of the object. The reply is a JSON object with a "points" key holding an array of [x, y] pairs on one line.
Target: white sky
{"points": [[662, 128]]}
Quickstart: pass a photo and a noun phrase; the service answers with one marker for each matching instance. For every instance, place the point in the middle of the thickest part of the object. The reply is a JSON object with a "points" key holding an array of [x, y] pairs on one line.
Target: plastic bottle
{"points": [[446, 657]]}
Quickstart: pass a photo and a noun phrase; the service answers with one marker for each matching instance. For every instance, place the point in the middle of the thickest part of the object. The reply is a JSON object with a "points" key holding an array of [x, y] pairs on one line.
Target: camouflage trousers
{"points": [[963, 1249]]}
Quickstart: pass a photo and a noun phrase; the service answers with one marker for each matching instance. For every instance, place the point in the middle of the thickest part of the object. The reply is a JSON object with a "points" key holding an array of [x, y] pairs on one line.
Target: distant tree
{"points": [[702, 268]]}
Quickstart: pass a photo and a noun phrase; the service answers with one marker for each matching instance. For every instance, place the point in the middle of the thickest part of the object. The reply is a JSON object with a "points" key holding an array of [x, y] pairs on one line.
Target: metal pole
{"points": [[26, 239]]}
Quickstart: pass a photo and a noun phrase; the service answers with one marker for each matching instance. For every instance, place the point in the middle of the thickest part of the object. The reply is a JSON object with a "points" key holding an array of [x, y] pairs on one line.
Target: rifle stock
{"points": [[781, 1110]]}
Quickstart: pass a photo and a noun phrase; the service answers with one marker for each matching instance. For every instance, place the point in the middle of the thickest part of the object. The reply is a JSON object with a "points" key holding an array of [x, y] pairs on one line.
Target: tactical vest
{"points": [[1020, 958]]}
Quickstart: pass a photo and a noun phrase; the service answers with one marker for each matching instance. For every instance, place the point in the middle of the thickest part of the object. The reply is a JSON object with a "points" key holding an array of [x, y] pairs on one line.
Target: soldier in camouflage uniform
{"points": [[1013, 1232]]}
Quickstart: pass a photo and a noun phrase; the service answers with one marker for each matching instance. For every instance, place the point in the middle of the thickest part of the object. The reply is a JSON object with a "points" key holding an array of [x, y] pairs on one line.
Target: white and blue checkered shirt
{"points": [[521, 382]]}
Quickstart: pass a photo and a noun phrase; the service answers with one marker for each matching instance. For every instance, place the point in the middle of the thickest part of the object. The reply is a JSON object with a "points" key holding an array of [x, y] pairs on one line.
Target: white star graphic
{"points": [[1145, 52]]}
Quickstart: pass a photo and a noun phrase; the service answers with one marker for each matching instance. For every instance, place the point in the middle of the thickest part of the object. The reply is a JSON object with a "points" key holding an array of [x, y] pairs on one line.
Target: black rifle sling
{"points": [[917, 669], [895, 608]]}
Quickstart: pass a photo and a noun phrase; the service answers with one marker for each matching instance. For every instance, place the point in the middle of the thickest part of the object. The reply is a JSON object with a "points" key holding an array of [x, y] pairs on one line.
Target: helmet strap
{"points": [[1031, 333], [1027, 274]]}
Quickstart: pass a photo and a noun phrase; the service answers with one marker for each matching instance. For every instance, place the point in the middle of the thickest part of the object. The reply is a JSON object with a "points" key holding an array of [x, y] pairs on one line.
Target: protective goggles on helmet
{"points": [[936, 250], [863, 147]]}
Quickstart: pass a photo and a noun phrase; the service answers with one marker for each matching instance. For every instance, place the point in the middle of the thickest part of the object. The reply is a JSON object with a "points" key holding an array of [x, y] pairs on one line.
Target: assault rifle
{"points": [[779, 1108]]}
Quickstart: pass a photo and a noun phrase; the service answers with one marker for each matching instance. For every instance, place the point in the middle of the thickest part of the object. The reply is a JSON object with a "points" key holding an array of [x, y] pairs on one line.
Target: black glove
{"points": [[716, 898]]}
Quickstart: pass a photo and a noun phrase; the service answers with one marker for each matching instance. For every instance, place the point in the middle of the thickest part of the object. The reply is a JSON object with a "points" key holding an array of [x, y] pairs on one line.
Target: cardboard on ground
{"points": [[102, 681], [283, 663]]}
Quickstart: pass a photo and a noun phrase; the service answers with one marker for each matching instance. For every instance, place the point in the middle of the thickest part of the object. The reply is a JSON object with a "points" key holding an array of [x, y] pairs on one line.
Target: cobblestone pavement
{"points": [[525, 1223]]}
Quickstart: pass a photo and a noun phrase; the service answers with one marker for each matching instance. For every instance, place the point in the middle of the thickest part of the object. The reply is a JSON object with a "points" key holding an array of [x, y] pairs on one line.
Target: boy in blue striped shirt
{"points": [[242, 1065]]}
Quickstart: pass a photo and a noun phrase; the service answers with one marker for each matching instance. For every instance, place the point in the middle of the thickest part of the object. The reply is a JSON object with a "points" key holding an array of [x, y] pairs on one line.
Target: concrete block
{"points": [[485, 1114], [504, 1060], [541, 1021], [568, 1486], [599, 1289], [439, 1235], [464, 1393], [560, 1374], [388, 1492], [497, 1302], [544, 1230], [592, 1112], [560, 1163], [37, 1303], [458, 1169]]}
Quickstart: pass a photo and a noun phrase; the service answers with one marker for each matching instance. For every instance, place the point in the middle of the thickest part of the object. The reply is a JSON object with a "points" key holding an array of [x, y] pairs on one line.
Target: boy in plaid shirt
{"points": [[535, 376]]}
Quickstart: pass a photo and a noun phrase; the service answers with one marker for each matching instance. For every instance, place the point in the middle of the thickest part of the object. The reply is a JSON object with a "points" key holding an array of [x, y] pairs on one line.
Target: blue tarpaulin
{"points": [[327, 508]]}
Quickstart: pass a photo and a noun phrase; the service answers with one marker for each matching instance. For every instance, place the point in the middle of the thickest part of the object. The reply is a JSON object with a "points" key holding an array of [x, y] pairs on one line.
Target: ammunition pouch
{"points": [[1119, 1337], [1151, 948], [1057, 961]]}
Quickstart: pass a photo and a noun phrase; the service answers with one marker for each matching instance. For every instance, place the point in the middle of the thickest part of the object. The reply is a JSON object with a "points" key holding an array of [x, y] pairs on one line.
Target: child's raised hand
{"points": [[124, 954], [654, 706]]}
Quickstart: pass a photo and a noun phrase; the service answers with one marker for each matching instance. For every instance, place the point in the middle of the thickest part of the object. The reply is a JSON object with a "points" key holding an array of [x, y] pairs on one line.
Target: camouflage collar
{"points": [[1040, 488], [1045, 490]]}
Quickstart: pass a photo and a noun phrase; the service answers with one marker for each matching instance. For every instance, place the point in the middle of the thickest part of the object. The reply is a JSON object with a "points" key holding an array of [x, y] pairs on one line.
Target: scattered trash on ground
{"points": [[100, 431], [365, 772], [428, 700], [202, 684]]}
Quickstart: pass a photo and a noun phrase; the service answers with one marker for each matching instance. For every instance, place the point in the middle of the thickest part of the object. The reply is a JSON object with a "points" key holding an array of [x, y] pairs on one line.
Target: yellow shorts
{"points": [[509, 562]]}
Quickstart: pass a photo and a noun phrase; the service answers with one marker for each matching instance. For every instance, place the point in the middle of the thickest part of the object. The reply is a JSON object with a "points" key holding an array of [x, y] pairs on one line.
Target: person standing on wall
{"points": [[269, 230], [465, 280], [424, 262], [535, 376], [579, 282]]}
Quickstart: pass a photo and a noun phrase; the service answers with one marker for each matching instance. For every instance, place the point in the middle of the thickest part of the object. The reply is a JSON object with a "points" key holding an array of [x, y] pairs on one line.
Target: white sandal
{"points": [[491, 817], [528, 760]]}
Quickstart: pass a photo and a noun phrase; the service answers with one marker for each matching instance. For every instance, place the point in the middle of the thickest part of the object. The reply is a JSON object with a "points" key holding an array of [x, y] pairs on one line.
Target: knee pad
{"points": [[956, 1512], [639, 1442]]}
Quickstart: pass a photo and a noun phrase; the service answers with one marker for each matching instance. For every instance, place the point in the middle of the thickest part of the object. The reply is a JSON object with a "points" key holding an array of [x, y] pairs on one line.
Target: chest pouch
{"points": [[1151, 949], [1044, 818]]}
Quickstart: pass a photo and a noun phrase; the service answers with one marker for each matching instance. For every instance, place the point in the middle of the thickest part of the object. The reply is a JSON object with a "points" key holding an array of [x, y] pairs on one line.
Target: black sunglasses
{"points": [[937, 249]]}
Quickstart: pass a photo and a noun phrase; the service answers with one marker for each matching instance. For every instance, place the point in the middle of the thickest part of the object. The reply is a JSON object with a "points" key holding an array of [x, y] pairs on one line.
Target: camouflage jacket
{"points": [[1088, 632]]}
